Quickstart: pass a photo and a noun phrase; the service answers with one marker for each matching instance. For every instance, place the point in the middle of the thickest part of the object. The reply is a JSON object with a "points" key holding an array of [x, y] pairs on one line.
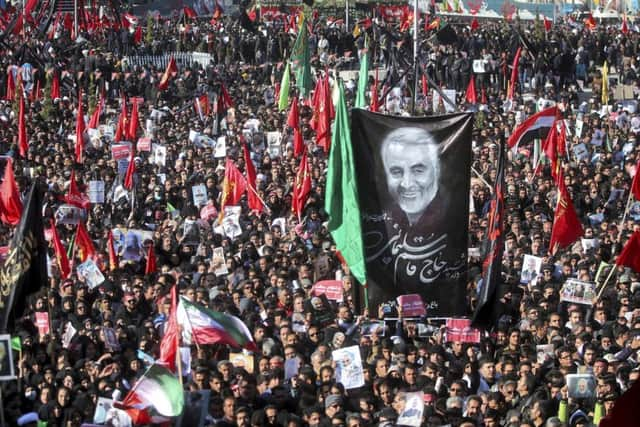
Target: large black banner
{"points": [[413, 184], [24, 271]]}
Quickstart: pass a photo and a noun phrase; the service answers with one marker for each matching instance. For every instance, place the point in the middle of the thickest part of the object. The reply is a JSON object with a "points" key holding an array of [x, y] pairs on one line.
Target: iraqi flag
{"points": [[536, 126], [204, 326], [157, 391]]}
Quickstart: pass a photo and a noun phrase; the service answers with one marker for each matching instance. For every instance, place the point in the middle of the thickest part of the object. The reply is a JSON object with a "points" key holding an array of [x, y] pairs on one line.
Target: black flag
{"points": [[25, 268], [488, 309], [413, 187], [446, 35]]}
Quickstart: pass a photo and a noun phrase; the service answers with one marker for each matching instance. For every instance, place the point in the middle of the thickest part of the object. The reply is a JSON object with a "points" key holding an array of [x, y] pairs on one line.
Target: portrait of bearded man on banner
{"points": [[412, 170], [414, 207]]}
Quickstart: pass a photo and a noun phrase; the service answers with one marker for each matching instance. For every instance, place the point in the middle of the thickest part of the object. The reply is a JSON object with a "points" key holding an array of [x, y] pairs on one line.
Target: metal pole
{"points": [[415, 56], [346, 15], [2, 406], [75, 17]]}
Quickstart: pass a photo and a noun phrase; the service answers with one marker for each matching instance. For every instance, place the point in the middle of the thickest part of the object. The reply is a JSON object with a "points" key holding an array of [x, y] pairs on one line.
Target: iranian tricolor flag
{"points": [[158, 391], [204, 326]]}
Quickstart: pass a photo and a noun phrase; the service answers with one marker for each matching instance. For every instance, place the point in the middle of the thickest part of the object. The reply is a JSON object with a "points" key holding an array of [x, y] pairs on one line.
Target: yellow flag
{"points": [[356, 31], [605, 84]]}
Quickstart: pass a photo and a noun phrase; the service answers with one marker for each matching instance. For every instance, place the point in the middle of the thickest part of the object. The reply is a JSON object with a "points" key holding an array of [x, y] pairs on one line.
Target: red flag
{"points": [[11, 87], [625, 28], [483, 96], [172, 68], [475, 24], [113, 256], [55, 87], [566, 225], [433, 25], [590, 23], [233, 186], [95, 117], [189, 13], [74, 196], [84, 243], [23, 145], [79, 129], [630, 255], [470, 95], [302, 187], [514, 74], [19, 24], [425, 86], [252, 197], [375, 104], [635, 184], [293, 121], [137, 35], [150, 267], [298, 142], [10, 203], [625, 409], [131, 169], [121, 129], [547, 24], [171, 338], [201, 105], [227, 102], [133, 123], [218, 12], [322, 114], [37, 91], [61, 254]]}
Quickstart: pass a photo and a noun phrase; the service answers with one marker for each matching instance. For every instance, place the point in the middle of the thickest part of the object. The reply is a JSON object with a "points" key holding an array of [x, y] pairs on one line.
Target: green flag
{"points": [[41, 423], [363, 79], [301, 60], [341, 202], [16, 344], [283, 99]]}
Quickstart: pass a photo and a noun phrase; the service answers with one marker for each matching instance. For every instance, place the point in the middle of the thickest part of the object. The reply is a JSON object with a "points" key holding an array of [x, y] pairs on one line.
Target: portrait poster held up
{"points": [[349, 371], [414, 207]]}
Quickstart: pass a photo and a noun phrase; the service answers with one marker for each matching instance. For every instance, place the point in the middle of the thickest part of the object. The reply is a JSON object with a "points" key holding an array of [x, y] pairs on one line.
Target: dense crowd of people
{"points": [[272, 264]]}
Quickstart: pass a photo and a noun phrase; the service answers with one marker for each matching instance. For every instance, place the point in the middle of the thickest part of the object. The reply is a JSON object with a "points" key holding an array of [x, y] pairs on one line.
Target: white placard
{"points": [[69, 333], [91, 273], [231, 221], [218, 262], [411, 414], [220, 148], [449, 93], [199, 195], [348, 367], [159, 155], [96, 191]]}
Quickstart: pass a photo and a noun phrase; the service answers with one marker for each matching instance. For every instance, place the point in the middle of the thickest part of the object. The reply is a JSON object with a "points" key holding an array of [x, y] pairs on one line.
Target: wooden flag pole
{"points": [[613, 253]]}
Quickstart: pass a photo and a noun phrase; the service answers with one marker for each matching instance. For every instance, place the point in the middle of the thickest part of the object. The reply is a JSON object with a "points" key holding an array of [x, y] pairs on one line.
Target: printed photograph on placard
{"points": [[530, 269], [348, 367], [578, 292], [370, 327], [7, 369], [544, 353], [581, 386]]}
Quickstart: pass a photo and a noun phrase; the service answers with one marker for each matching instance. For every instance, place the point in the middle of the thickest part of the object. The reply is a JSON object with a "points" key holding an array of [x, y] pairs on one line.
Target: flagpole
{"points": [[179, 357], [258, 196], [415, 56], [614, 267], [346, 14], [613, 253], [195, 341]]}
